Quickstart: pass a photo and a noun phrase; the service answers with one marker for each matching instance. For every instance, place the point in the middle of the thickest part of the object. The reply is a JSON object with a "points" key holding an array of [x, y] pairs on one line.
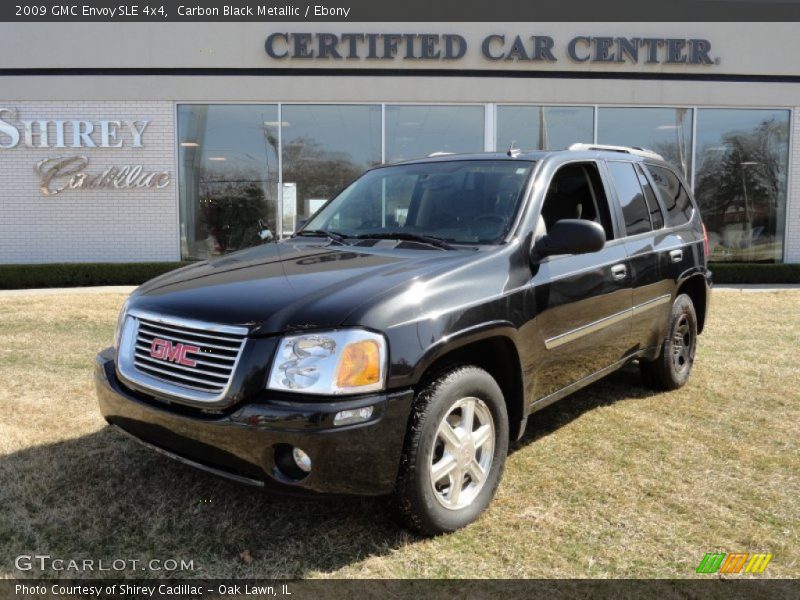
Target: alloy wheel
{"points": [[462, 453], [682, 345]]}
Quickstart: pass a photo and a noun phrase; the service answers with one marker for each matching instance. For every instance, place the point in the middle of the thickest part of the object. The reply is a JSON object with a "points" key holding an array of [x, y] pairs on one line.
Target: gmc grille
{"points": [[208, 369]]}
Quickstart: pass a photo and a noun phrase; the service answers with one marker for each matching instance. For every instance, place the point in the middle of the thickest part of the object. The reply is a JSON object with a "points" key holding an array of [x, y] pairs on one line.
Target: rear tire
{"points": [[673, 366], [454, 453]]}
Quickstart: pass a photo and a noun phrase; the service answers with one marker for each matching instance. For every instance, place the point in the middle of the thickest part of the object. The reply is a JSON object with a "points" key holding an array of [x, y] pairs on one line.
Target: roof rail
{"points": [[432, 154], [643, 152]]}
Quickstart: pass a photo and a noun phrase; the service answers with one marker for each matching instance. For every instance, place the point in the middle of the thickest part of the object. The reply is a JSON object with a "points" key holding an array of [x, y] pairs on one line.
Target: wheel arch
{"points": [[696, 288], [492, 348]]}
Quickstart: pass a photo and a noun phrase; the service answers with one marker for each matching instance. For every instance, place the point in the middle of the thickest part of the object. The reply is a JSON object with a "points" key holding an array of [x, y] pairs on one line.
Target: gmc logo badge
{"points": [[166, 350]]}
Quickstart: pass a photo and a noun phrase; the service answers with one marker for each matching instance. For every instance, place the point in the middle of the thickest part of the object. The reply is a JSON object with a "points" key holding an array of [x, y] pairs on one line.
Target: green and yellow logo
{"points": [[720, 562]]}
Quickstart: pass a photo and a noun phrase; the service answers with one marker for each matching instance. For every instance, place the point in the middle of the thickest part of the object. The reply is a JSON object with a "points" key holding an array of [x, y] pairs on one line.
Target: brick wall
{"points": [[792, 232], [89, 225]]}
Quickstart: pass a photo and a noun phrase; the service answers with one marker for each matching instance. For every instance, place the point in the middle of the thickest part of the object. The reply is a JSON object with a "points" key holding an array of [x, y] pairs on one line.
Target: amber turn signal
{"points": [[360, 365]]}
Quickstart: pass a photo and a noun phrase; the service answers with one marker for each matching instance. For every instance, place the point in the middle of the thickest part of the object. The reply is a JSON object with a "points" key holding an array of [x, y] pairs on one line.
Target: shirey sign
{"points": [[69, 172], [493, 47]]}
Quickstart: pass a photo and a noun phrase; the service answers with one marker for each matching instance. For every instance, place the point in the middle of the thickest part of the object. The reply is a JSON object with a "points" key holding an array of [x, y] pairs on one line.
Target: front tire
{"points": [[455, 452], [671, 369]]}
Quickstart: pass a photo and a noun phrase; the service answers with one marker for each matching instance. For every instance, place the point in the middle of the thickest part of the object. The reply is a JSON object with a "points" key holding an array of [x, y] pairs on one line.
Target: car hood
{"points": [[290, 285]]}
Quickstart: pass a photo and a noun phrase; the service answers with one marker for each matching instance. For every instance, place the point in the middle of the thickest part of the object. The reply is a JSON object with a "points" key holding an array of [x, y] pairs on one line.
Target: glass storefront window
{"points": [[229, 177], [742, 157], [667, 131], [325, 147], [544, 127], [417, 131], [228, 169]]}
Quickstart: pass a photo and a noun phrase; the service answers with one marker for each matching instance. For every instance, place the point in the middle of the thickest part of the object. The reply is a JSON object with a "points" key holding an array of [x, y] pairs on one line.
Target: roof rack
{"points": [[635, 150]]}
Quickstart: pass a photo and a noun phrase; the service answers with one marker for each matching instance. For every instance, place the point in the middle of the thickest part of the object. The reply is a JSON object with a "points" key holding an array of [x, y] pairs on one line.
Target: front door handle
{"points": [[619, 271], [676, 256]]}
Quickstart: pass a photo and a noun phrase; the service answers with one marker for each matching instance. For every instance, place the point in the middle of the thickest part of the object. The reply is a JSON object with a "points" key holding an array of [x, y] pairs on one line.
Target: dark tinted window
{"points": [[576, 192], [656, 217], [631, 197], [673, 195]]}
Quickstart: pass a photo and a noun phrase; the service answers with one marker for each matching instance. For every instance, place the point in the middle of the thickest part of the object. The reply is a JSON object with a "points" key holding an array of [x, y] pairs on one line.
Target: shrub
{"points": [[81, 274], [755, 273]]}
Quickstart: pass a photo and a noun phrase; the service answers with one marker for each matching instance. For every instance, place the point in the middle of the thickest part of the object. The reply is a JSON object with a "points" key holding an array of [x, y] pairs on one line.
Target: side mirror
{"points": [[570, 236]]}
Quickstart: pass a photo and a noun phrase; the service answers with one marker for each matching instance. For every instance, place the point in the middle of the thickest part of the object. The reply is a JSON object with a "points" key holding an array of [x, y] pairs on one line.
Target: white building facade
{"points": [[159, 142]]}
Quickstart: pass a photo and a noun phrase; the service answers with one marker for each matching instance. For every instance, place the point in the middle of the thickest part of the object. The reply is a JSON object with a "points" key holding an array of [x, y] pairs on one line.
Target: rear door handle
{"points": [[676, 255], [619, 271]]}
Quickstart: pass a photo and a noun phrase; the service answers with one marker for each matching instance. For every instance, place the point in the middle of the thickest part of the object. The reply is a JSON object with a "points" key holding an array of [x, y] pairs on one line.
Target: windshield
{"points": [[462, 202]]}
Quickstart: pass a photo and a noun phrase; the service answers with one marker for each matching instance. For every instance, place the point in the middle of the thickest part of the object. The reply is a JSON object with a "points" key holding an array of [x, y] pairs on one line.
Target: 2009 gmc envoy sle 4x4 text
{"points": [[401, 339]]}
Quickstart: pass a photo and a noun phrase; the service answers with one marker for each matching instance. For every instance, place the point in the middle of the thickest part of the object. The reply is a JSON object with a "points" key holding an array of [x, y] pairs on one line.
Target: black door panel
{"points": [[653, 285], [583, 314]]}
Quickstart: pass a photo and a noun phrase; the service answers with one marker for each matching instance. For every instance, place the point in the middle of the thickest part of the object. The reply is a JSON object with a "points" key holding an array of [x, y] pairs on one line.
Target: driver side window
{"points": [[576, 192]]}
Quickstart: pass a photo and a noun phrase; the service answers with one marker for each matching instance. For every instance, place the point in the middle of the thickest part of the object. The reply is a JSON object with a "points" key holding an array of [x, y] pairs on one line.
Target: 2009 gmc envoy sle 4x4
{"points": [[401, 339]]}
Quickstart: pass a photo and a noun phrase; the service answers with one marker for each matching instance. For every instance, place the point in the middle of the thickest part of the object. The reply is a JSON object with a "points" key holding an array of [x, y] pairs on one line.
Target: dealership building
{"points": [[132, 142]]}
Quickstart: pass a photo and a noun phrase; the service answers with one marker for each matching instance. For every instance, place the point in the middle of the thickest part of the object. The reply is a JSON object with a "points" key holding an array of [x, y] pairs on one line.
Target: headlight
{"points": [[120, 322], [348, 361]]}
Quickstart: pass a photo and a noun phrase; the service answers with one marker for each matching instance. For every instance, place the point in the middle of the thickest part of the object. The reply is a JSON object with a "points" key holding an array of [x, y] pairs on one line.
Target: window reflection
{"points": [[228, 163], [742, 157], [325, 147], [631, 198], [417, 131], [667, 131], [673, 195], [544, 127], [460, 201], [228, 177]]}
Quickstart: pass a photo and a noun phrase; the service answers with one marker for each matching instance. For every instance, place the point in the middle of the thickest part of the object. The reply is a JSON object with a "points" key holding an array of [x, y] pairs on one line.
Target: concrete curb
{"points": [[100, 289], [757, 287]]}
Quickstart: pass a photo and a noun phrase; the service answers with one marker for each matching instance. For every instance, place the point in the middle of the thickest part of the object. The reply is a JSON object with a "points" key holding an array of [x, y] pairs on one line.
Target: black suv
{"points": [[399, 341]]}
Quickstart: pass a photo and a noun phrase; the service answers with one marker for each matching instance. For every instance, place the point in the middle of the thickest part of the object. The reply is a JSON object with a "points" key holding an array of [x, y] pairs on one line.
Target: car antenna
{"points": [[512, 151]]}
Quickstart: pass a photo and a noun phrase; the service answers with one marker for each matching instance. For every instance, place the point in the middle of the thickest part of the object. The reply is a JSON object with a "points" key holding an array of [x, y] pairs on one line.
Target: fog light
{"points": [[301, 459], [356, 415]]}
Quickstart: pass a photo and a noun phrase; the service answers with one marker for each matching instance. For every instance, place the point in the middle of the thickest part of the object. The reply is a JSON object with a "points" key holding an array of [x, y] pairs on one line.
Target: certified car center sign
{"points": [[63, 172], [494, 47]]}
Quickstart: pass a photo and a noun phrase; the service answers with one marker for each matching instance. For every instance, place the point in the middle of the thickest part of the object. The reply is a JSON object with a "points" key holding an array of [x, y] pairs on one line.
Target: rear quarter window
{"points": [[631, 197], [673, 195], [656, 217]]}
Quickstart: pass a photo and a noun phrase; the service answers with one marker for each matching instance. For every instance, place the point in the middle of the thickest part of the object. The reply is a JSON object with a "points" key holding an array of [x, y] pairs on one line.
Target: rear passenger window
{"points": [[631, 197], [656, 218], [674, 196]]}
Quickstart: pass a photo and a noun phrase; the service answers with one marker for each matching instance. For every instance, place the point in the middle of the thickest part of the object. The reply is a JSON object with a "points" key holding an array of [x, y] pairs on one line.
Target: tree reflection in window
{"points": [[741, 181], [667, 131], [228, 161], [325, 147]]}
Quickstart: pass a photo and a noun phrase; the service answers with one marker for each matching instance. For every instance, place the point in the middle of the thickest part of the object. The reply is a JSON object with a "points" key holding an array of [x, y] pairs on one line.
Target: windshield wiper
{"points": [[331, 235], [404, 235]]}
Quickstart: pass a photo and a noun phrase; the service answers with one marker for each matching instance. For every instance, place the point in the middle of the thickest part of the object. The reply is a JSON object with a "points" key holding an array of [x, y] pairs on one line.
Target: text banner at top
{"points": [[405, 11]]}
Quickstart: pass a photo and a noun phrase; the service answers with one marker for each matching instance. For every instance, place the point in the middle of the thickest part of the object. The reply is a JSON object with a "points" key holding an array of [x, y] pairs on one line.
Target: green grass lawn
{"points": [[614, 481]]}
